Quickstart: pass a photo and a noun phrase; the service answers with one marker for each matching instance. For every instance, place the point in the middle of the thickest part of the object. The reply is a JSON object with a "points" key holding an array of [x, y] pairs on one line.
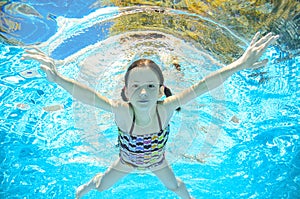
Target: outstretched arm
{"points": [[77, 90], [248, 60]]}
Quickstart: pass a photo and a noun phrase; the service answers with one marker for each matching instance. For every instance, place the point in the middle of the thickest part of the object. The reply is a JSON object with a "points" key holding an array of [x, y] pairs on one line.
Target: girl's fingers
{"points": [[28, 57], [264, 39], [32, 52], [271, 40], [260, 64], [265, 45], [38, 56], [34, 48], [32, 56], [44, 68], [255, 38], [37, 49], [43, 61]]}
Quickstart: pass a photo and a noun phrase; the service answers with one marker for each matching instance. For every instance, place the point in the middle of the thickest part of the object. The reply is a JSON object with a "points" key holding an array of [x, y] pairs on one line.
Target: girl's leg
{"points": [[104, 181], [167, 177]]}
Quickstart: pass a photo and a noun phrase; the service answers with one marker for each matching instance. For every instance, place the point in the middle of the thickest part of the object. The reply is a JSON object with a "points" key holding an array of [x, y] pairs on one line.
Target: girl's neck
{"points": [[144, 117]]}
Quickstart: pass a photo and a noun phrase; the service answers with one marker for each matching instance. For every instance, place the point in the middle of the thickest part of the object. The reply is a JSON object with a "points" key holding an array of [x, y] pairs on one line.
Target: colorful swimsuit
{"points": [[143, 151]]}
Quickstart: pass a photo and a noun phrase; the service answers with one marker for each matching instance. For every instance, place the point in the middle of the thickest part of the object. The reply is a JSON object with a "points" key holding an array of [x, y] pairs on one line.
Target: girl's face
{"points": [[143, 88]]}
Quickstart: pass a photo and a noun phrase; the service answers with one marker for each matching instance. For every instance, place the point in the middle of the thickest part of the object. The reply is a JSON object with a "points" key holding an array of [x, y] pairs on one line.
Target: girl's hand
{"points": [[250, 58], [47, 63]]}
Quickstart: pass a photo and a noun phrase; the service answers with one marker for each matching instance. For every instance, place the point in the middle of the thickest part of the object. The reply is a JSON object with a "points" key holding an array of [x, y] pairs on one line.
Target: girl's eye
{"points": [[135, 86], [151, 86]]}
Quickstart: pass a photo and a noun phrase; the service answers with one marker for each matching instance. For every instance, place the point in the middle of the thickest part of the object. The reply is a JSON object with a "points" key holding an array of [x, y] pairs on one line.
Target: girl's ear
{"points": [[161, 91], [123, 95], [126, 92]]}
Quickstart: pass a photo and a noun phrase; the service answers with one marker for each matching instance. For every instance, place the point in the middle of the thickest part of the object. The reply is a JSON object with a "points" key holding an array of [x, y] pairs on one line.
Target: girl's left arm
{"points": [[248, 60]]}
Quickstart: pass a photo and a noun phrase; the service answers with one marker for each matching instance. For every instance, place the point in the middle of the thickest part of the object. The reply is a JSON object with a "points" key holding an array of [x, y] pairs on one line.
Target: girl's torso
{"points": [[124, 119], [141, 148]]}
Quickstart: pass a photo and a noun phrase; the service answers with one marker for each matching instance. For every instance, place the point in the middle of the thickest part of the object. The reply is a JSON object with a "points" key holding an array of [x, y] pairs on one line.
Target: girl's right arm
{"points": [[250, 60], [77, 90], [85, 94]]}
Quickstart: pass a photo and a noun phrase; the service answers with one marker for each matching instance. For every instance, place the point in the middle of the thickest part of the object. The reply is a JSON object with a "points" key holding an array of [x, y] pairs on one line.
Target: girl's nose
{"points": [[143, 92]]}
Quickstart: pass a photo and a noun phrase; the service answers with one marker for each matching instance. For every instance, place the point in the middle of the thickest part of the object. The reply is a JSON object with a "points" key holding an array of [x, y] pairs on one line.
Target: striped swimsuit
{"points": [[143, 151]]}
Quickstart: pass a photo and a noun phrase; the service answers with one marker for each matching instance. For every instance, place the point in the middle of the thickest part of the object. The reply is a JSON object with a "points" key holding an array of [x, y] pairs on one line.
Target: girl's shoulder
{"points": [[166, 106], [123, 114], [120, 107], [165, 112]]}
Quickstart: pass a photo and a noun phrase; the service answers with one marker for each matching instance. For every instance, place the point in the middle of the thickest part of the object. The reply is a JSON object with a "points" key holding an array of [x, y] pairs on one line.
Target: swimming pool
{"points": [[245, 133]]}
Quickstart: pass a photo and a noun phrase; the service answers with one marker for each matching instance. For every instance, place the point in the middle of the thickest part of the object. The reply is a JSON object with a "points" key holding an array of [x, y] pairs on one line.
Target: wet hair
{"points": [[155, 68]]}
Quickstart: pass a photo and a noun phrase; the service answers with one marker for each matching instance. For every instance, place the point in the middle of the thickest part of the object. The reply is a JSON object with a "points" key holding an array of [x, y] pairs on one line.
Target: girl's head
{"points": [[142, 63], [148, 72]]}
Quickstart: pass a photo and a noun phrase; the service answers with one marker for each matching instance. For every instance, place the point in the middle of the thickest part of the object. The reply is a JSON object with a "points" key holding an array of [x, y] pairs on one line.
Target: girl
{"points": [[143, 122]]}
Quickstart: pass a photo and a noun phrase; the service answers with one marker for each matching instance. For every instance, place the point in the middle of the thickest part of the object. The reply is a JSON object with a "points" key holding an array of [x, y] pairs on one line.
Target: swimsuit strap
{"points": [[133, 120], [158, 117]]}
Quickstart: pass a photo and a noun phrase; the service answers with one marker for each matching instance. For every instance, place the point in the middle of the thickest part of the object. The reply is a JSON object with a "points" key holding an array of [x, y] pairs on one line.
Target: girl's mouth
{"points": [[143, 101]]}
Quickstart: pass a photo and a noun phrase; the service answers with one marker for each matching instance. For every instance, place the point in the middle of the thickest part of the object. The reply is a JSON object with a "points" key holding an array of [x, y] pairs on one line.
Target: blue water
{"points": [[245, 133]]}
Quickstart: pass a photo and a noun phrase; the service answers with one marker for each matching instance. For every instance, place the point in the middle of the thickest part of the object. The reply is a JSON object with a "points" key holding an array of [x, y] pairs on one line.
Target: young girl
{"points": [[143, 122]]}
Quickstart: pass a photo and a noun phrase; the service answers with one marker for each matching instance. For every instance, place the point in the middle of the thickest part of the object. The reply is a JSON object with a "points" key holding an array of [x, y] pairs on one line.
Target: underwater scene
{"points": [[240, 140]]}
